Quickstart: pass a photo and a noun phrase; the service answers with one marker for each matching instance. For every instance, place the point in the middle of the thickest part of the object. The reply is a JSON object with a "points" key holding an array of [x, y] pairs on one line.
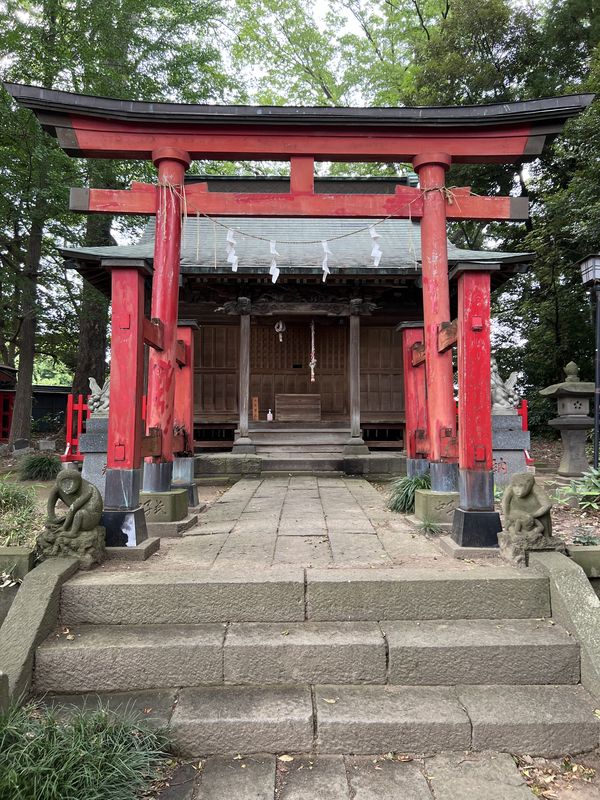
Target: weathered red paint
{"points": [[474, 374], [109, 138], [184, 388], [126, 370], [165, 294], [415, 395], [436, 306], [405, 203]]}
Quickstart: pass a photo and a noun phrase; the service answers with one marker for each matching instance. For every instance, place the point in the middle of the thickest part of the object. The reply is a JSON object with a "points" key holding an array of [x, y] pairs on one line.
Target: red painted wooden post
{"points": [[415, 401], [126, 370], [184, 388], [123, 516], [475, 522], [431, 169], [171, 165]]}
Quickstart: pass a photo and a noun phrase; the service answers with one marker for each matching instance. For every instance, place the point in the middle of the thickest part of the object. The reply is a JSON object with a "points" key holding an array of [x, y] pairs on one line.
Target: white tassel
{"points": [[231, 254], [376, 252], [274, 269], [325, 264]]}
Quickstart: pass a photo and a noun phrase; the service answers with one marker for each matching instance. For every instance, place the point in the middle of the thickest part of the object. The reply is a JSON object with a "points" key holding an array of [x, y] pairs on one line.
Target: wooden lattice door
{"points": [[283, 367]]}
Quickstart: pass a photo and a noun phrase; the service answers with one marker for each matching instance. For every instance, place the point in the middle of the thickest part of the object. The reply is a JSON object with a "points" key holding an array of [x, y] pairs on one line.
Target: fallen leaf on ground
{"points": [[285, 758]]}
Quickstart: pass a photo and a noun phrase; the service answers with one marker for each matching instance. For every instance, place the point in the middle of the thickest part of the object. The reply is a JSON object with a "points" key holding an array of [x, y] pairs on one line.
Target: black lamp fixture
{"points": [[590, 274]]}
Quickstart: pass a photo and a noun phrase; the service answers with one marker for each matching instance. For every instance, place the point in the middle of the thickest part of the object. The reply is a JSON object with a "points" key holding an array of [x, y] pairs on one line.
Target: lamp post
{"points": [[590, 274]]}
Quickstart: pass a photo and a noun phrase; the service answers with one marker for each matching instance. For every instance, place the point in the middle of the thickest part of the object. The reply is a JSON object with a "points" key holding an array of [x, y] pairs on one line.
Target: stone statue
{"points": [[78, 533], [504, 397], [98, 399], [527, 522]]}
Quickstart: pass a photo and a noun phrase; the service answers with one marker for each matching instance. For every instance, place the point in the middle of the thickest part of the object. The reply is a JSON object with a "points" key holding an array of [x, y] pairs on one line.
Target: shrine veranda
{"points": [[369, 297]]}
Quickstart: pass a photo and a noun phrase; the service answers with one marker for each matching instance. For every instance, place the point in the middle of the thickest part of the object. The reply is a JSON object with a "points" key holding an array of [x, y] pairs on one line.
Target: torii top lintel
{"points": [[99, 127]]}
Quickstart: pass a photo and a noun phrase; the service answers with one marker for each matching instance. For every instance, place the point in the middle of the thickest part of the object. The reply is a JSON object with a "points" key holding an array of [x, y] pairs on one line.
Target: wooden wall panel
{"points": [[381, 378], [216, 373], [272, 369]]}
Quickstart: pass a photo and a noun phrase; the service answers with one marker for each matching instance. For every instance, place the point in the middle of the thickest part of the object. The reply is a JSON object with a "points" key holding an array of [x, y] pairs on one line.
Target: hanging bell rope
{"points": [[313, 354]]}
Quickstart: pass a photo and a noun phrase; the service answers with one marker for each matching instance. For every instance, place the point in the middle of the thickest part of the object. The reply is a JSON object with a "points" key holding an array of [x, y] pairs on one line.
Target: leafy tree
{"points": [[155, 49]]}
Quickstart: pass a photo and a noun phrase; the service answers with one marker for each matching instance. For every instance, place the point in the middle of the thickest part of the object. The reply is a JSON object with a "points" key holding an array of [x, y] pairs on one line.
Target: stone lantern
{"points": [[573, 421]]}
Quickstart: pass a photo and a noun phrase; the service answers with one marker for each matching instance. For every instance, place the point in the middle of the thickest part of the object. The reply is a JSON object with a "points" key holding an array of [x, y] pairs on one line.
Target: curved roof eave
{"points": [[553, 111]]}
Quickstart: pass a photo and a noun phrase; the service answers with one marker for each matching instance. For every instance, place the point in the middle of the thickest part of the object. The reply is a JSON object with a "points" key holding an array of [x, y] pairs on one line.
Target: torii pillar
{"points": [[171, 163], [441, 410]]}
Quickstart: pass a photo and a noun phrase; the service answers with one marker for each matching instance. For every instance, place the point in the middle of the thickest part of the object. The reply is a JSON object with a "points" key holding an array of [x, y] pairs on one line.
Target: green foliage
{"points": [[586, 539], [19, 518], [94, 755], [40, 467], [430, 528], [402, 492], [586, 490]]}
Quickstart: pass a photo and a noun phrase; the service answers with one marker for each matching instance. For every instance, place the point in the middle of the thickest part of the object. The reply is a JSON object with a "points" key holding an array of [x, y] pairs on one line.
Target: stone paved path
{"points": [[304, 521], [448, 776]]}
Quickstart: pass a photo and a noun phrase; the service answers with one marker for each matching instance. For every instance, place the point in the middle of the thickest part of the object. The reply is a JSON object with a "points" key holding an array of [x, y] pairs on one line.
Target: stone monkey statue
{"points": [[77, 533], [527, 522]]}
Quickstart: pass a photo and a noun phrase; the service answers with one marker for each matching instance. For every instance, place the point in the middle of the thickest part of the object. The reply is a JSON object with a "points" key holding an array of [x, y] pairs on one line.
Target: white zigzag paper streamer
{"points": [[273, 269], [231, 254], [376, 252], [325, 265]]}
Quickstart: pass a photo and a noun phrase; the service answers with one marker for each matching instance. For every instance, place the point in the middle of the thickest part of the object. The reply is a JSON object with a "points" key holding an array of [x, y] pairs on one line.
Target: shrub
{"points": [[20, 520], [402, 492], [585, 489], [40, 467], [93, 755]]}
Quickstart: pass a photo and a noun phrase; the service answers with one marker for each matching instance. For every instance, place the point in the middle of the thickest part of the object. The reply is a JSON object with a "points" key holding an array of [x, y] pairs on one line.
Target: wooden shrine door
{"points": [[283, 367]]}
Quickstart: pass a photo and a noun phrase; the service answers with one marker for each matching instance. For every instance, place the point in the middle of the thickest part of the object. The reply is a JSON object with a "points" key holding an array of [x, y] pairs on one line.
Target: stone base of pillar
{"points": [[355, 446], [435, 507], [124, 527], [168, 506], [444, 476], [158, 476], [243, 444], [417, 466], [476, 528], [476, 489], [183, 478]]}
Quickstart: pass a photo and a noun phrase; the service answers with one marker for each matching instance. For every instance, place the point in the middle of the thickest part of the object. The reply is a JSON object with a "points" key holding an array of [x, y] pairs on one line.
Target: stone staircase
{"points": [[329, 661]]}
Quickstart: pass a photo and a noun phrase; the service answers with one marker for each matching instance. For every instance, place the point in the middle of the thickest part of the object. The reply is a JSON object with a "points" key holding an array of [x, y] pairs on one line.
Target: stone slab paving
{"points": [[308, 521], [448, 776]]}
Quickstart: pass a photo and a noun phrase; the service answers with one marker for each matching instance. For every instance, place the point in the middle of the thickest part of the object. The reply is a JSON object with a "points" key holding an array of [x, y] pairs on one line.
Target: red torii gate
{"points": [[171, 135]]}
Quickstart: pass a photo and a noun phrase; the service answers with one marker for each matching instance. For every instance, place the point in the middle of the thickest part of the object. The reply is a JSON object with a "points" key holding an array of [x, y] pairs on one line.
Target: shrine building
{"points": [[305, 314], [333, 304]]}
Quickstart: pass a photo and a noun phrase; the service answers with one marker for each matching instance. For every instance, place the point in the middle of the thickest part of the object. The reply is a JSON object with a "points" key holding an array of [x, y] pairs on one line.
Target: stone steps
{"points": [[289, 450], [127, 657], [537, 720], [292, 594]]}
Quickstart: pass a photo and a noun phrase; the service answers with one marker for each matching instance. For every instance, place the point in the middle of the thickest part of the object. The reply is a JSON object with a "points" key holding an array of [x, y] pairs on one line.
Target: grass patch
{"points": [[402, 492], [40, 467], [94, 755], [20, 521]]}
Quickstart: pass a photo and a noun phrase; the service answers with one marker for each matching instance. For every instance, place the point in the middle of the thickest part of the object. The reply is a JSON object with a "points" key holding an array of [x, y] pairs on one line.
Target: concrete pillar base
{"points": [[124, 527], [476, 489], [476, 528], [168, 506], [356, 447], [417, 466], [243, 444], [158, 476], [444, 476], [435, 507]]}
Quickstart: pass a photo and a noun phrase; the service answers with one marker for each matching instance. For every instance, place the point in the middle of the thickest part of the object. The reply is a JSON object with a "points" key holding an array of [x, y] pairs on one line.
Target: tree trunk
{"points": [[21, 422], [93, 314]]}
